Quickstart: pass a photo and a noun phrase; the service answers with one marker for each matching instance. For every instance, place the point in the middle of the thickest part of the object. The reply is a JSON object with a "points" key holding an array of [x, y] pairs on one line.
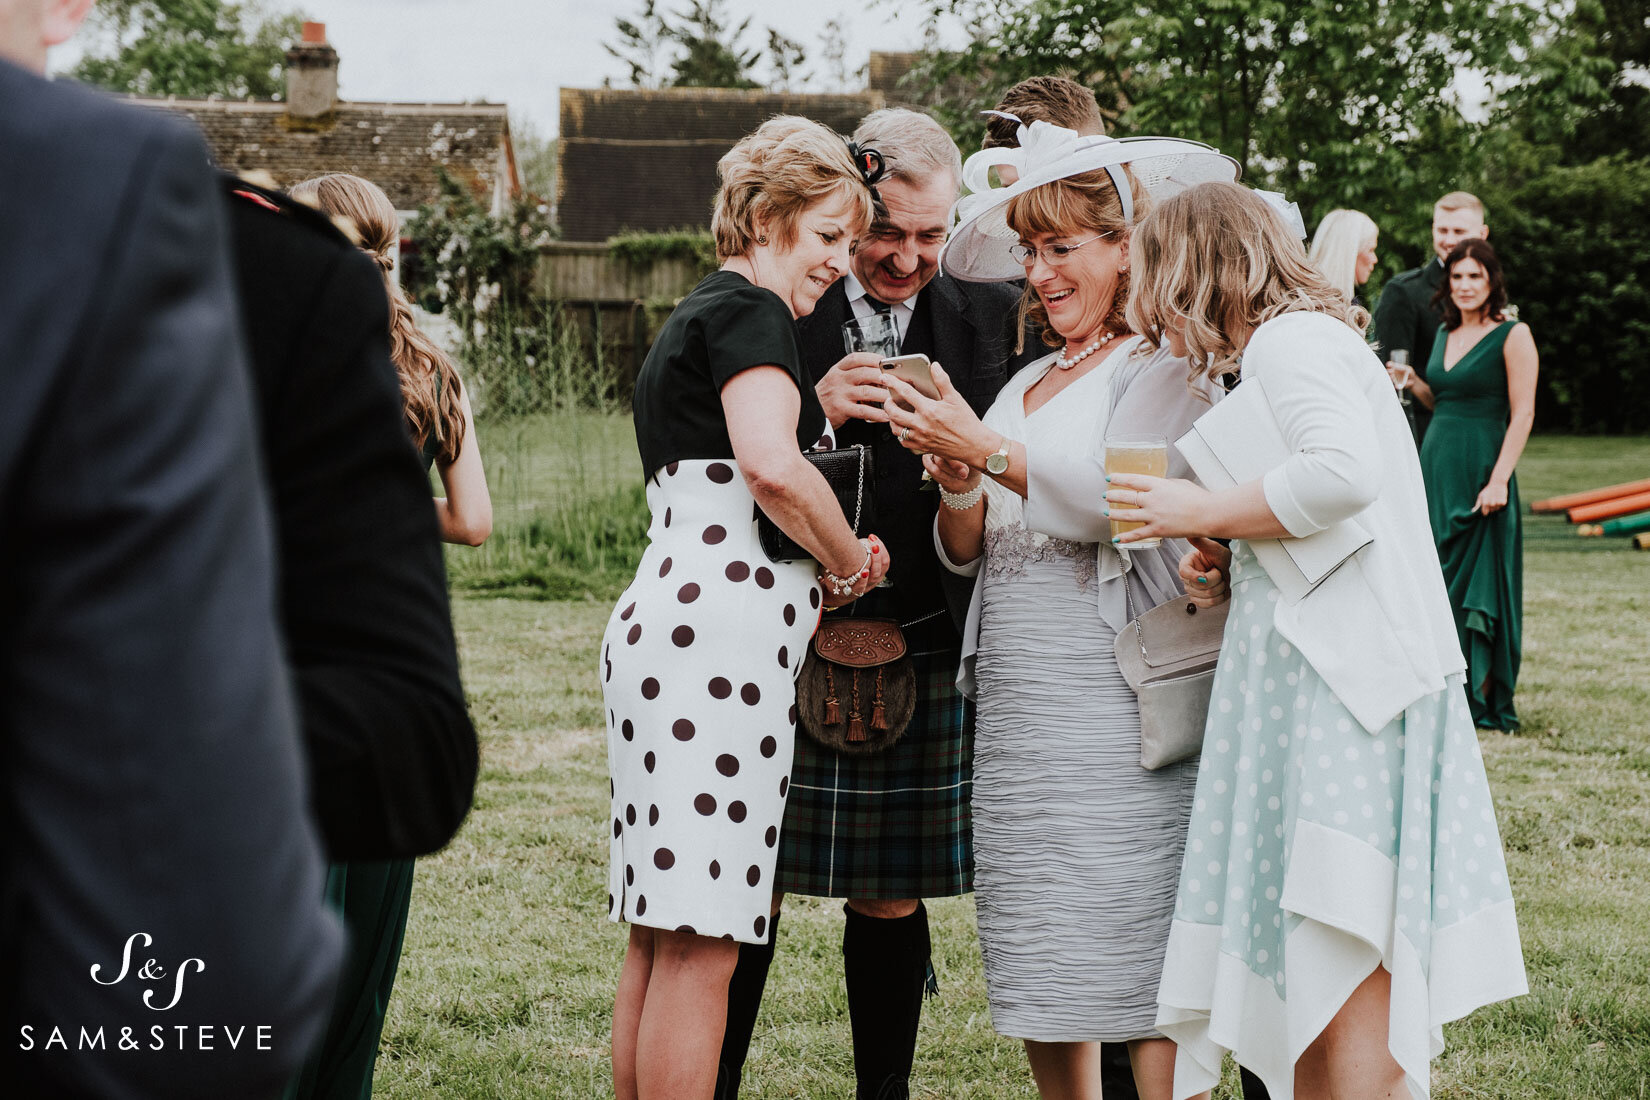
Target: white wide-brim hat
{"points": [[978, 251]]}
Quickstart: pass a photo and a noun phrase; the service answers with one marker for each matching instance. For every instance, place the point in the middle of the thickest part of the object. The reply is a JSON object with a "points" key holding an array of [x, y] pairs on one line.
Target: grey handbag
{"points": [[1168, 655]]}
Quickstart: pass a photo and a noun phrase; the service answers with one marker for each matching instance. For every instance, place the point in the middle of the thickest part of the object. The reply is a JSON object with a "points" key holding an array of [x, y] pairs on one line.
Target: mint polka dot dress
{"points": [[1318, 851]]}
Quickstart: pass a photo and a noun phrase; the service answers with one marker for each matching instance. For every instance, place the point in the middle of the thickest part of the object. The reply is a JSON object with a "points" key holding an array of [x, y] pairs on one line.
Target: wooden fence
{"points": [[617, 305]]}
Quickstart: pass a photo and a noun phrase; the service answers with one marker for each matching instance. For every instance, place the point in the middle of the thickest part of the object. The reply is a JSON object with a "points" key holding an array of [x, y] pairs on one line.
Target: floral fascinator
{"points": [[978, 251]]}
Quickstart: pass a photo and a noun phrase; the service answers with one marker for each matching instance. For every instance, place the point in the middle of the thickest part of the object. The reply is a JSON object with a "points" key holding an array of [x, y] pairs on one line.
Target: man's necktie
{"points": [[879, 306]]}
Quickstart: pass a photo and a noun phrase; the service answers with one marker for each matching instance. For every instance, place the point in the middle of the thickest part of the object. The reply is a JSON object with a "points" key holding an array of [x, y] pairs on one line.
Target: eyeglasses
{"points": [[1054, 255]]}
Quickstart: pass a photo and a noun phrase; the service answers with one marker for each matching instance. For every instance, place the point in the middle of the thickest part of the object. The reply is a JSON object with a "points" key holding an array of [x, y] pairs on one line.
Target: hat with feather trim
{"points": [[978, 251]]}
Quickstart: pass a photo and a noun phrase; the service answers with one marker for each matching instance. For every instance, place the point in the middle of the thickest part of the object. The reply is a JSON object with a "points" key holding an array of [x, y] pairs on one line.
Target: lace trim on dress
{"points": [[1010, 548]]}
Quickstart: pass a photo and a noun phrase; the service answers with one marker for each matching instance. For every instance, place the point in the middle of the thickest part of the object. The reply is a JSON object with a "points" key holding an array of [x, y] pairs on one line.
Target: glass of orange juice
{"points": [[1135, 454]]}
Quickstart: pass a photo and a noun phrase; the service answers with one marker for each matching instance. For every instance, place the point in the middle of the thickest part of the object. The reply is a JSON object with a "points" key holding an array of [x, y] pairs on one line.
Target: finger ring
{"points": [[903, 434]]}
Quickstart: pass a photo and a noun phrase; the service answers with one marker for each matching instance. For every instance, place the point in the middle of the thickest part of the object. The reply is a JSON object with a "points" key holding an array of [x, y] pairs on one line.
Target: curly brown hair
{"points": [[1473, 248]]}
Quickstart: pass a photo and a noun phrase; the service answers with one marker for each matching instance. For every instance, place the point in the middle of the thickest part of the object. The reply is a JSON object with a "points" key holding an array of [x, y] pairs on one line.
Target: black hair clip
{"points": [[871, 168]]}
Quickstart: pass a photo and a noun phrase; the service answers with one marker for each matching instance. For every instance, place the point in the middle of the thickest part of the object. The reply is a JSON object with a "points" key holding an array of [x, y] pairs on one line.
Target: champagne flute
{"points": [[1399, 357]]}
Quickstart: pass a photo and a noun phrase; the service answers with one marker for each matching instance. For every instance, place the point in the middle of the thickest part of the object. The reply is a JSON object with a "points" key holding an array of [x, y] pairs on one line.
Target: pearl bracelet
{"points": [[962, 502], [844, 586]]}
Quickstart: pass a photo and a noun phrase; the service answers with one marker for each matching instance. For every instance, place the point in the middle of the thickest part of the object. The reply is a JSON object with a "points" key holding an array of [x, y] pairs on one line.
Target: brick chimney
{"points": [[312, 75]]}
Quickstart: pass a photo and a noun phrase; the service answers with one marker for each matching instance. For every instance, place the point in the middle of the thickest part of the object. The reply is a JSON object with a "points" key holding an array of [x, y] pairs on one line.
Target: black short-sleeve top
{"points": [[724, 326]]}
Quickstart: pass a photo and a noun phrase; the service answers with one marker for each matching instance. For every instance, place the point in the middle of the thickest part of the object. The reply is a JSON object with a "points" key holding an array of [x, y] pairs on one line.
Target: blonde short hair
{"points": [[776, 173], [1085, 203], [1461, 200], [1217, 261]]}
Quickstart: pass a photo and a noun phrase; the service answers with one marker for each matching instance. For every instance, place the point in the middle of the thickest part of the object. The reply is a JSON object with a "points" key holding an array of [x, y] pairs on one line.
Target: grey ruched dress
{"points": [[1077, 847]]}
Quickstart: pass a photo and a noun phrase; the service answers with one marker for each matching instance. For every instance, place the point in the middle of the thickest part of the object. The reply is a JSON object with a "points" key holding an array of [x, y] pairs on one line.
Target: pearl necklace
{"points": [[1065, 362]]}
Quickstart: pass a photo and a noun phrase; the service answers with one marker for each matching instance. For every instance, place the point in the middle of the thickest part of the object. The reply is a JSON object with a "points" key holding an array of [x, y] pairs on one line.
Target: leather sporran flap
{"points": [[851, 474], [857, 689]]}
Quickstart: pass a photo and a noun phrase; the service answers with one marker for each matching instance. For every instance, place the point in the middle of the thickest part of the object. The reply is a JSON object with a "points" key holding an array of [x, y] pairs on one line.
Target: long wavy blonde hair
{"points": [[430, 388], [1214, 262]]}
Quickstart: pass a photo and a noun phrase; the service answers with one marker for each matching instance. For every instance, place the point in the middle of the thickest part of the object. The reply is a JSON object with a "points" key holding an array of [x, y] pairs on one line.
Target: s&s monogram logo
{"points": [[150, 971]]}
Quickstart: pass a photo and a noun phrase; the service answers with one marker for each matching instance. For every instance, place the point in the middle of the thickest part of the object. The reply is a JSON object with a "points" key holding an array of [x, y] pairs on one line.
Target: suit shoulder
{"points": [[999, 295], [250, 201], [1408, 278], [107, 129]]}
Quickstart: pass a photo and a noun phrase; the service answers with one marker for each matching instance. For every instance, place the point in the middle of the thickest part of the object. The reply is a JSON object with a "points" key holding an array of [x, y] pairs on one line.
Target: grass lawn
{"points": [[509, 968]]}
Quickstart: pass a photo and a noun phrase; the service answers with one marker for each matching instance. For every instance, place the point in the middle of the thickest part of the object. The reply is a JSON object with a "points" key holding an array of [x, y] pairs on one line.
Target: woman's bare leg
{"points": [[627, 1009], [1153, 1062], [685, 1010], [1065, 1071], [1351, 1059]]}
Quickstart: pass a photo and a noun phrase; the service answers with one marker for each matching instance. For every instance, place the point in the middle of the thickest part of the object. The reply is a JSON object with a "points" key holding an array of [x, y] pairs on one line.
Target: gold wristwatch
{"points": [[997, 464]]}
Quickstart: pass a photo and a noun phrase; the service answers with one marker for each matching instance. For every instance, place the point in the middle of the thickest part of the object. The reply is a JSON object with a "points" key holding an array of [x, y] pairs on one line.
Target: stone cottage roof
{"points": [[398, 146], [646, 159]]}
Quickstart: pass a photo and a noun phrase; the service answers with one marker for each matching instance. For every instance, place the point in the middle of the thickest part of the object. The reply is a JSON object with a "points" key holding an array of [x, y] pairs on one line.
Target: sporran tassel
{"points": [[879, 716], [833, 710]]}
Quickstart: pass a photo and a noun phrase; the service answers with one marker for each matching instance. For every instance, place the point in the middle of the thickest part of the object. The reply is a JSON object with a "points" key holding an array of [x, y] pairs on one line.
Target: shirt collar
{"points": [[856, 291]]}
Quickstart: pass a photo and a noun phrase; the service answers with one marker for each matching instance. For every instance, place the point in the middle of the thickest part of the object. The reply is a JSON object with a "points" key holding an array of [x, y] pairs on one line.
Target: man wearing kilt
{"points": [[885, 831]]}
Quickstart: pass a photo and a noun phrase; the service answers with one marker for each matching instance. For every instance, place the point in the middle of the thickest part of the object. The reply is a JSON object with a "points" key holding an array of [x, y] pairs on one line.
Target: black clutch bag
{"points": [[851, 474]]}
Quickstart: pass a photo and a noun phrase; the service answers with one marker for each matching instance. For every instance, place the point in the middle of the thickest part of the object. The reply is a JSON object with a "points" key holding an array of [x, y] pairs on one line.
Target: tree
{"points": [[711, 54], [786, 57], [535, 159], [641, 41], [193, 48], [696, 48], [1335, 104], [833, 47]]}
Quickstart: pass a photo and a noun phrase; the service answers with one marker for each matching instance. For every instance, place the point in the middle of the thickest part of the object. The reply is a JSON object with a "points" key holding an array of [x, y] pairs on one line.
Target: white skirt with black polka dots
{"points": [[699, 666]]}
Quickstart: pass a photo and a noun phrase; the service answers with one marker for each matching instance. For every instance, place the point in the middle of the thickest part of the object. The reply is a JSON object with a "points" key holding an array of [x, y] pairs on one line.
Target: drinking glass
{"points": [[1400, 357], [1135, 454], [876, 334]]}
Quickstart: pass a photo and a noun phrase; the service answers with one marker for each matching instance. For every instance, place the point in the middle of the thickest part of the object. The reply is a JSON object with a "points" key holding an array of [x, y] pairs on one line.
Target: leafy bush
{"points": [[696, 246], [1575, 243]]}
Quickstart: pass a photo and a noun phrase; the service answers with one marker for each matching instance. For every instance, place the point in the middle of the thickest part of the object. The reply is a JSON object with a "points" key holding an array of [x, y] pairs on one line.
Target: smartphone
{"points": [[915, 370]]}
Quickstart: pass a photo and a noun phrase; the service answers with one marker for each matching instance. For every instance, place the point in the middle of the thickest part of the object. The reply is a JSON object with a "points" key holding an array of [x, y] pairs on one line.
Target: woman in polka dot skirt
{"points": [[700, 656], [1343, 892]]}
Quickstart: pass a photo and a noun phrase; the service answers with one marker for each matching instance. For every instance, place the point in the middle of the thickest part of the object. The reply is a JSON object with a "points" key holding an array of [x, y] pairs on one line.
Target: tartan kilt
{"points": [[894, 825]]}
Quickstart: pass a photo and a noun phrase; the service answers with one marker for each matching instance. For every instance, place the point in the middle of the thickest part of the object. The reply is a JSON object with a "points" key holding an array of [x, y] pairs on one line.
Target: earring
{"points": [[762, 240]]}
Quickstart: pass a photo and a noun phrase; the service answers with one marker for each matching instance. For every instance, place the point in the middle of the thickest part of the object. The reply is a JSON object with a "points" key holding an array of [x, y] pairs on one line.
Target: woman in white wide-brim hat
{"points": [[1077, 847]]}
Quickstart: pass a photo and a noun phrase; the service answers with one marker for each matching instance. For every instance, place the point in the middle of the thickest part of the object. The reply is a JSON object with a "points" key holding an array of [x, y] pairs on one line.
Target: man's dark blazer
{"points": [[972, 329], [363, 590], [1405, 319], [151, 779]]}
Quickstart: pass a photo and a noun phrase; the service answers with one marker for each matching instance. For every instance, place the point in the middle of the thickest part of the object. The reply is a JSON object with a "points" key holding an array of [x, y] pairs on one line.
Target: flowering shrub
{"points": [[465, 262]]}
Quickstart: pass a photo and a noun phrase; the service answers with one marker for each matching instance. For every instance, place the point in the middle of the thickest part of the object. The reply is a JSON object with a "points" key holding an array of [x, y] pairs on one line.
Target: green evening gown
{"points": [[373, 899], [1482, 557]]}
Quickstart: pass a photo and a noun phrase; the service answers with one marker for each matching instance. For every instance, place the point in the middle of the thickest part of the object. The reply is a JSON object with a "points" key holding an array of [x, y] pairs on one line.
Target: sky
{"points": [[520, 52]]}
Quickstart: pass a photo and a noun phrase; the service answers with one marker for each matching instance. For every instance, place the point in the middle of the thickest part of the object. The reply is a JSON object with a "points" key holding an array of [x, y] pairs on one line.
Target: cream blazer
{"points": [[1379, 629]]}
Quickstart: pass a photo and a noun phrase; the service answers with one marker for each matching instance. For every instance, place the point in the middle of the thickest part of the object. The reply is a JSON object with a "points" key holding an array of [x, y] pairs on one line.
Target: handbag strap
{"points": [[1128, 604], [859, 487]]}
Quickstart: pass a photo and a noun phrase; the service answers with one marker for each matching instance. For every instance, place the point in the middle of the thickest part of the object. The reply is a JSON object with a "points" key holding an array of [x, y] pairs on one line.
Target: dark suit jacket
{"points": [[392, 753], [973, 326], [152, 776], [1405, 319]]}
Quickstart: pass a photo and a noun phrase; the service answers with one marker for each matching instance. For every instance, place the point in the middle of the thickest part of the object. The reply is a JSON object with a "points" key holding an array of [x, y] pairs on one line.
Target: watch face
{"points": [[996, 464]]}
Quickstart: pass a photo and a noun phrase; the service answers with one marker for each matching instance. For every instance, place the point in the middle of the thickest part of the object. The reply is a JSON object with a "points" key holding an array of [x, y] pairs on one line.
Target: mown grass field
{"points": [[509, 968]]}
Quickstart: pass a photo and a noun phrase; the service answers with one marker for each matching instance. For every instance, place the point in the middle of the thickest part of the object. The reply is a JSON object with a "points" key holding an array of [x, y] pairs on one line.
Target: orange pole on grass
{"points": [[1591, 496], [1604, 509]]}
